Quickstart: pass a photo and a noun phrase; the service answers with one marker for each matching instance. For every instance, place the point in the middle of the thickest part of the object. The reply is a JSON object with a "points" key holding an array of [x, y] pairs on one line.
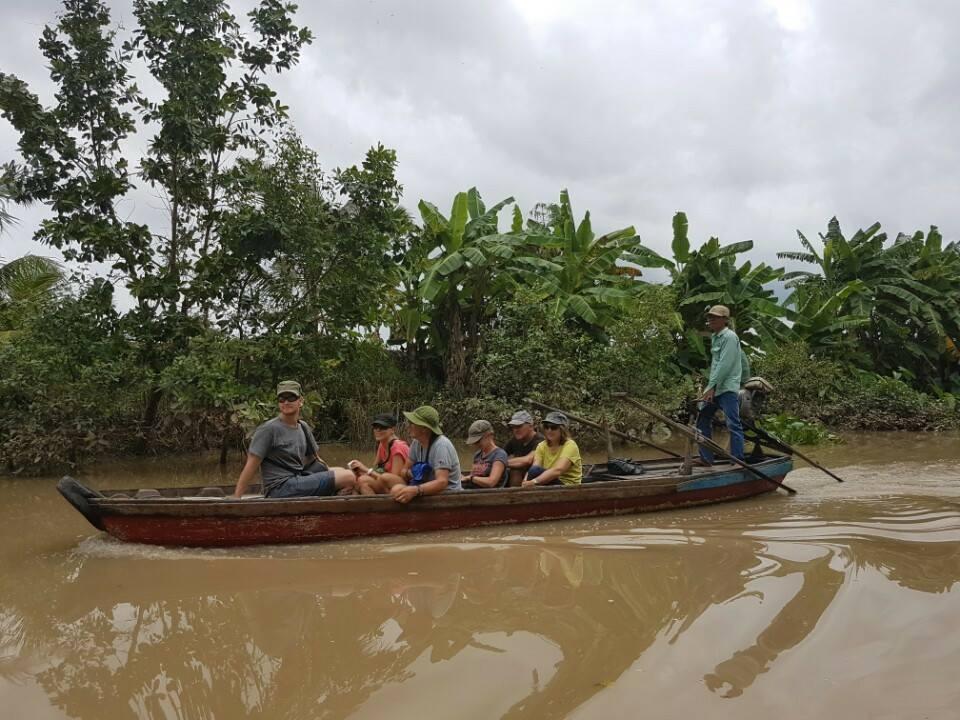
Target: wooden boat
{"points": [[207, 517]]}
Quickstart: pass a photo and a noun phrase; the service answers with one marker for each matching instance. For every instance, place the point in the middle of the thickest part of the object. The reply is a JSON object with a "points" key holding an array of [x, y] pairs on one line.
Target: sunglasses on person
{"points": [[550, 426], [288, 397]]}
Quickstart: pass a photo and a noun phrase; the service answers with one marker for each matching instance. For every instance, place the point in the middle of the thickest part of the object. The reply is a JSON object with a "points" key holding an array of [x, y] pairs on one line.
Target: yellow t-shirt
{"points": [[546, 457]]}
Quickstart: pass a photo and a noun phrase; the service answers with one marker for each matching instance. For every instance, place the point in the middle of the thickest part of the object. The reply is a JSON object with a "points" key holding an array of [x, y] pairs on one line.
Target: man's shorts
{"points": [[319, 484]]}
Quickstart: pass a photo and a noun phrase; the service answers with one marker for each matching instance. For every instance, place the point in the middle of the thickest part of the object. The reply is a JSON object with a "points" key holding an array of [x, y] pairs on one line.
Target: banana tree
{"points": [[907, 292], [463, 265], [25, 282], [575, 272], [709, 276]]}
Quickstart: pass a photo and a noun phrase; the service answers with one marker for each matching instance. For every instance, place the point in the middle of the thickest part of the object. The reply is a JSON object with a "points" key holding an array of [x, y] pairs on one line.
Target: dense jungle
{"points": [[170, 336]]}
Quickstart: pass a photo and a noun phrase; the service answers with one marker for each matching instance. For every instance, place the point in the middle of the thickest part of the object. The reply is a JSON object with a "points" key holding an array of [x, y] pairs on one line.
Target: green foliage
{"points": [[886, 308], [266, 267], [814, 388], [465, 265], [71, 388], [533, 353], [794, 431], [576, 273], [303, 253], [26, 284]]}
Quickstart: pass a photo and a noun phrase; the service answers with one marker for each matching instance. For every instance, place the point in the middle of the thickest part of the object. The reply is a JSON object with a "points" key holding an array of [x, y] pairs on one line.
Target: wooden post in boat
{"points": [[704, 441], [687, 467], [606, 430]]}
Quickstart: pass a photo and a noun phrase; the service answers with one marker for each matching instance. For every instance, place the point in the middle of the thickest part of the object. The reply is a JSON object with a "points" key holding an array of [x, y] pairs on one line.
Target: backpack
{"points": [[624, 466]]}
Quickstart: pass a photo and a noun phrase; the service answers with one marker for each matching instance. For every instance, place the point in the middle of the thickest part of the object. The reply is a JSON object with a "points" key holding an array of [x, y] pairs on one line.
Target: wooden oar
{"points": [[776, 442], [700, 439], [598, 426]]}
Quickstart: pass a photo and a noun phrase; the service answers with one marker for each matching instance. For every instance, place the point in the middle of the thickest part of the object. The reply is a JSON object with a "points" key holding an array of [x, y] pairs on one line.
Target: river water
{"points": [[840, 602]]}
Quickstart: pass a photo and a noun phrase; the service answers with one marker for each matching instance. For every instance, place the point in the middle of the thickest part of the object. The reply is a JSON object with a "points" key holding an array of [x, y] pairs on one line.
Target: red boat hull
{"points": [[213, 530]]}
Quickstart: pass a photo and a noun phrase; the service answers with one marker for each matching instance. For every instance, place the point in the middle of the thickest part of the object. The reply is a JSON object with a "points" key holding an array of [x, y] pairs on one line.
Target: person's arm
{"points": [[250, 469], [521, 461], [493, 479], [397, 463], [551, 473], [406, 493], [358, 467], [399, 468]]}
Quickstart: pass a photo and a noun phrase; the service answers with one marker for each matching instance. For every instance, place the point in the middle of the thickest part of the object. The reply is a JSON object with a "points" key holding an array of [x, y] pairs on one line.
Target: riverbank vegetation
{"points": [[267, 266]]}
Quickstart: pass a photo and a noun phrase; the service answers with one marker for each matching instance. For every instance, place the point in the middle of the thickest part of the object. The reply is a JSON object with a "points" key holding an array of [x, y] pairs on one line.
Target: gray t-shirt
{"points": [[442, 456], [282, 449]]}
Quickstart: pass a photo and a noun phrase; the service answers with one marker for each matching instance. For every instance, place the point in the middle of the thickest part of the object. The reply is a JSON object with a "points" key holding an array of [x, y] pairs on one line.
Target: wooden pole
{"points": [[705, 442], [597, 426], [606, 431], [784, 446]]}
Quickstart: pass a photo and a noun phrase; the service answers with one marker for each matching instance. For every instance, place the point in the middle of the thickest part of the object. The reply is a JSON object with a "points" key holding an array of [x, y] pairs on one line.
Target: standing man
{"points": [[726, 360], [521, 446], [282, 447]]}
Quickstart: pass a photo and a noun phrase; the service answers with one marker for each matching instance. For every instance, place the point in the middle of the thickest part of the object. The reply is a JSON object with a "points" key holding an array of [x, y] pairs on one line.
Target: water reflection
{"points": [[497, 627]]}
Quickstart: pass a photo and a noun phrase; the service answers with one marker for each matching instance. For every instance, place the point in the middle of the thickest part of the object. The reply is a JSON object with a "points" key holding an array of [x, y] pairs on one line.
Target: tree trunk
{"points": [[456, 361], [150, 415]]}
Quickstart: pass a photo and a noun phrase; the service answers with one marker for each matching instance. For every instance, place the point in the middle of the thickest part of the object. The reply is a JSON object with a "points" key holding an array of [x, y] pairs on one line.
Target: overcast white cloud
{"points": [[756, 117]]}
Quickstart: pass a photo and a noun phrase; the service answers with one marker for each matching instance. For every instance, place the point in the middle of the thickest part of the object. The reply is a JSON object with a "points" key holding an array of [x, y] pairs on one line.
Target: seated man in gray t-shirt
{"points": [[433, 465], [283, 449]]}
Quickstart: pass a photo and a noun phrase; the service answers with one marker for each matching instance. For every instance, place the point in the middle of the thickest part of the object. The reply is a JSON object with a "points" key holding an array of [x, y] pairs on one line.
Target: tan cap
{"points": [[758, 383], [719, 311]]}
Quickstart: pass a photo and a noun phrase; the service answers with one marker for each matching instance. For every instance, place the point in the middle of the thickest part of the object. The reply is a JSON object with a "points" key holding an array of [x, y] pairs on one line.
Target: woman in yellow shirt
{"points": [[556, 461]]}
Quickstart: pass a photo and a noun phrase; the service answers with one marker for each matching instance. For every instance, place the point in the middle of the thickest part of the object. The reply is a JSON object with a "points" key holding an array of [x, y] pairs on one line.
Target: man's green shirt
{"points": [[726, 362]]}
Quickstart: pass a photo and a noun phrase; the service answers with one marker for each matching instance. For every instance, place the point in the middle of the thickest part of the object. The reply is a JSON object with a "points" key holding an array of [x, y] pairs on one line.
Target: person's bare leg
{"points": [[371, 486], [344, 480], [389, 480]]}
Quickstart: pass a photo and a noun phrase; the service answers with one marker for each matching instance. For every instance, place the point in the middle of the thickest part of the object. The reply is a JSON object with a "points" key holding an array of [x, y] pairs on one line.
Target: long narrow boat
{"points": [[208, 517]]}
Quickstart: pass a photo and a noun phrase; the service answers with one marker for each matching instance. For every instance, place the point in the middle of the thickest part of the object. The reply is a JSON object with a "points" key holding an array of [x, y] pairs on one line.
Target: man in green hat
{"points": [[285, 452], [433, 465], [726, 366]]}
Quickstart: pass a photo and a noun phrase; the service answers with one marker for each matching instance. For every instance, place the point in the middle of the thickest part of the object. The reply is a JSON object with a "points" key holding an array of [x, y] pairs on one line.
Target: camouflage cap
{"points": [[289, 386]]}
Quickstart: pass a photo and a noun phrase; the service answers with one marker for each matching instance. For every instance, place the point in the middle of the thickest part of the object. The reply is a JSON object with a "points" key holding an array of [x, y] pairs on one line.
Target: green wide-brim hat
{"points": [[427, 417]]}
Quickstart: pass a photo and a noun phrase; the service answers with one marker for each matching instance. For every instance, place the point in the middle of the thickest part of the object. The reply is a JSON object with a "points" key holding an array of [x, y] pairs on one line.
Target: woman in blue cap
{"points": [[556, 461]]}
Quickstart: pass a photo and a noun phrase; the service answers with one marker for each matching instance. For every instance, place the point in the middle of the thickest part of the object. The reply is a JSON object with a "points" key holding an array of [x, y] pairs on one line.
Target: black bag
{"points": [[624, 466]]}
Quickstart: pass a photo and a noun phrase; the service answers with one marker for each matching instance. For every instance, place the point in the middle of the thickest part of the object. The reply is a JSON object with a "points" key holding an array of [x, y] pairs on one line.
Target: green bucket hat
{"points": [[425, 416]]}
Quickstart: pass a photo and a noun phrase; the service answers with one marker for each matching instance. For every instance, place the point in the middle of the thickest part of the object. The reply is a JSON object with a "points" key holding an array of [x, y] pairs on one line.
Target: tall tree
{"points": [[213, 104]]}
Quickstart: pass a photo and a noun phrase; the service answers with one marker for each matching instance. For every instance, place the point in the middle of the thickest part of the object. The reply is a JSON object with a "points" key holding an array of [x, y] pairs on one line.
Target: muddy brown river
{"points": [[841, 602]]}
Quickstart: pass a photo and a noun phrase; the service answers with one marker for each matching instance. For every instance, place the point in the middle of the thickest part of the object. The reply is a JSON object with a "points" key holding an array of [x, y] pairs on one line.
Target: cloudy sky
{"points": [[756, 117]]}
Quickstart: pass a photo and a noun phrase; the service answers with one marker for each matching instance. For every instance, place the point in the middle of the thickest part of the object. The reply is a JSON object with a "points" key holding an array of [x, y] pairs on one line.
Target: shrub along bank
{"points": [[75, 387]]}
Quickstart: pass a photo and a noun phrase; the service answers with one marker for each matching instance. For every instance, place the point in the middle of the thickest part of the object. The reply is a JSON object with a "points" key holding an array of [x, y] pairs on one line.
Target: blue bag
{"points": [[421, 472]]}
